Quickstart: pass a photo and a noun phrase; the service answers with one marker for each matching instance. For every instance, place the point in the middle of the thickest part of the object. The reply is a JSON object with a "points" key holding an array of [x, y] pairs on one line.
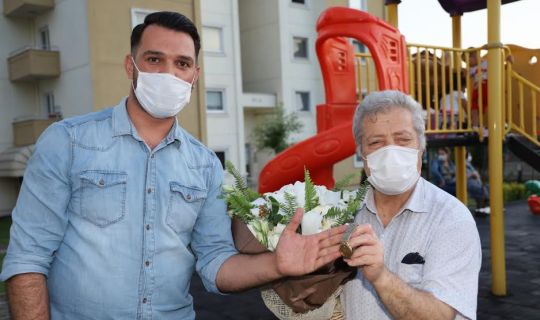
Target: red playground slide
{"points": [[334, 140]]}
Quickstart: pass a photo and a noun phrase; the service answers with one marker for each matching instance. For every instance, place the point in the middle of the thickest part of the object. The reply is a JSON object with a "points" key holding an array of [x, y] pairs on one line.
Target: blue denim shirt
{"points": [[117, 228]]}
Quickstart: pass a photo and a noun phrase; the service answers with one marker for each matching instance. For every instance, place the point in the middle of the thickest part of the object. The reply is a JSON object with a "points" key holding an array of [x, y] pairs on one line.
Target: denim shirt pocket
{"points": [[184, 205], [103, 196]]}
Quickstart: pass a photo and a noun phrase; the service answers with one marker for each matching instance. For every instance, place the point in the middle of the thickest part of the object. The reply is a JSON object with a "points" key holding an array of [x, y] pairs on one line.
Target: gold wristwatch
{"points": [[345, 247]]}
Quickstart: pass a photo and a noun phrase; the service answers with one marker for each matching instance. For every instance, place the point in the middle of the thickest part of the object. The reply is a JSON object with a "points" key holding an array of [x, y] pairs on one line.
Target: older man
{"points": [[417, 247]]}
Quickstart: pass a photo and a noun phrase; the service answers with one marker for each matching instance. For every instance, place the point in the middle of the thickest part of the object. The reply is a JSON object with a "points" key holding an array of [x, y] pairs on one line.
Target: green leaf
{"points": [[239, 206], [289, 207], [311, 194], [239, 182], [275, 130]]}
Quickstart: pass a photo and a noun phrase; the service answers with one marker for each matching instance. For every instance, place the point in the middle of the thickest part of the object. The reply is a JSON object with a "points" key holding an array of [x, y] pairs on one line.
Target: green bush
{"points": [[274, 132], [513, 191]]}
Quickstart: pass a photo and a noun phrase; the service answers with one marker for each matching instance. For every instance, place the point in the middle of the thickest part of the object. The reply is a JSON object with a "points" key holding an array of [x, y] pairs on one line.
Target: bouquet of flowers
{"points": [[266, 215]]}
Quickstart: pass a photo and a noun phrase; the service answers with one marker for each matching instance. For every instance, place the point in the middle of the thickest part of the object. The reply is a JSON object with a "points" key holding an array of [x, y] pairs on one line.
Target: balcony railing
{"points": [[32, 64], [26, 8], [259, 102]]}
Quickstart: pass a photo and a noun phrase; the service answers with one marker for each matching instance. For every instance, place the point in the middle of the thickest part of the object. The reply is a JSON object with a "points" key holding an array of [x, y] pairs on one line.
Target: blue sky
{"points": [[425, 22]]}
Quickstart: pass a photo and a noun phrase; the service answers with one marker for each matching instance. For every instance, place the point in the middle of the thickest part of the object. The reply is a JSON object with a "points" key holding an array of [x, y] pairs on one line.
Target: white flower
{"points": [[327, 197], [311, 222], [273, 237]]}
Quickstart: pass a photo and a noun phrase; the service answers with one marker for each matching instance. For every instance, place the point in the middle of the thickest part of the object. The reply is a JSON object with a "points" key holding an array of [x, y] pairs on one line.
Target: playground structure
{"points": [[426, 72]]}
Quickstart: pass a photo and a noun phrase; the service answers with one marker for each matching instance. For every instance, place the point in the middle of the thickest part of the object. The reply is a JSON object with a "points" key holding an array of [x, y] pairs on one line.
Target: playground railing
{"points": [[521, 105], [439, 76]]}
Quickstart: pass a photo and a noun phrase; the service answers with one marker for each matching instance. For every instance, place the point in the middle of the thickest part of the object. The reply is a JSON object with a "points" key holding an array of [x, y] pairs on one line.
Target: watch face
{"points": [[346, 250]]}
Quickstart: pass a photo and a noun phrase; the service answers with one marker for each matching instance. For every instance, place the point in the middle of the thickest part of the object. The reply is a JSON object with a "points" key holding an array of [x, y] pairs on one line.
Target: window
{"points": [[221, 157], [214, 100], [212, 39], [357, 161], [302, 101], [49, 106], [358, 4], [138, 15], [300, 47], [44, 38], [299, 1], [358, 46]]}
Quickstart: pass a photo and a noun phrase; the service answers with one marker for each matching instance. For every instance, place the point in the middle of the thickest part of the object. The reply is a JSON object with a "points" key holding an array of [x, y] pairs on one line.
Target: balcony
{"points": [[259, 102], [26, 8], [32, 64], [27, 131]]}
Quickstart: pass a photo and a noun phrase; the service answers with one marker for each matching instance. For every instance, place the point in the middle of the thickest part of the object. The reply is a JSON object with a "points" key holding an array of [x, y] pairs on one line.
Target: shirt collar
{"points": [[122, 124], [416, 202], [120, 119]]}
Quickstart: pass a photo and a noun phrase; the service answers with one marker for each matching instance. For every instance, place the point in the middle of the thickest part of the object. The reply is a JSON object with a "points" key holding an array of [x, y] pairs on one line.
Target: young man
{"points": [[417, 247], [119, 207]]}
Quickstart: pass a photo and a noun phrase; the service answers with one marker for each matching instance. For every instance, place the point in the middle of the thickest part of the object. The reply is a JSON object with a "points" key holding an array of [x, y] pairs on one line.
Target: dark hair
{"points": [[170, 20]]}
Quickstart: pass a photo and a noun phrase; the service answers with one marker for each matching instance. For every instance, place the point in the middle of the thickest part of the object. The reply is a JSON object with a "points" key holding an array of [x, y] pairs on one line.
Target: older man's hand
{"points": [[368, 253], [297, 254]]}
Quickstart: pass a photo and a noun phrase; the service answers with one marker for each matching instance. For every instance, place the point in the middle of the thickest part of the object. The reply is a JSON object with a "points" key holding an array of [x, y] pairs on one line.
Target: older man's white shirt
{"points": [[441, 229]]}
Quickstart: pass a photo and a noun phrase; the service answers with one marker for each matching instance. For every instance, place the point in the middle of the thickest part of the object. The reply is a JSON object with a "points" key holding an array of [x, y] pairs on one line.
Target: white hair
{"points": [[384, 101]]}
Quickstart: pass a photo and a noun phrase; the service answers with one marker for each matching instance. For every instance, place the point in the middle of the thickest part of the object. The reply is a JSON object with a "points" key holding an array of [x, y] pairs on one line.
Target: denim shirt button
{"points": [[101, 182], [144, 300], [188, 197], [149, 190], [147, 263]]}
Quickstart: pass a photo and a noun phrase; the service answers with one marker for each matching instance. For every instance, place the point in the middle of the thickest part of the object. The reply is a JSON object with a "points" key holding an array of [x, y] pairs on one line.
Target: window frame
{"points": [[293, 45], [358, 163], [308, 102], [45, 31], [221, 30], [135, 11], [225, 152], [305, 5], [223, 100]]}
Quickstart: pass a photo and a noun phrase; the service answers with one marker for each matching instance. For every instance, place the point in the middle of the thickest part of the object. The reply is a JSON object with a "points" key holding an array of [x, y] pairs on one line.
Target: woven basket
{"points": [[330, 310]]}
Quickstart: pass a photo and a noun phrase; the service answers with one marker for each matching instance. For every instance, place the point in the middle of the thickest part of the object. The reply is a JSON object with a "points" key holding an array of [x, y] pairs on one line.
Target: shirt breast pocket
{"points": [[103, 197], [184, 205], [411, 273]]}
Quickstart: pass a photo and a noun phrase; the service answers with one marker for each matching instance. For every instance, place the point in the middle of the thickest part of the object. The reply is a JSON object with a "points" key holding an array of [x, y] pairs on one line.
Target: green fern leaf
{"points": [[311, 194]]}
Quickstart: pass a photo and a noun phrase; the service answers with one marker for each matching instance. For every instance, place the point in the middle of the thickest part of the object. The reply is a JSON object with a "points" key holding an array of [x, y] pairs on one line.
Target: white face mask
{"points": [[393, 169], [162, 95]]}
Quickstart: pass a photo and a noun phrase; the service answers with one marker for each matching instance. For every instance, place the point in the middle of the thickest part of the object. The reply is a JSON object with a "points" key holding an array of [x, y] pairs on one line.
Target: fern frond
{"points": [[239, 182], [239, 206], [311, 194], [290, 205], [361, 192]]}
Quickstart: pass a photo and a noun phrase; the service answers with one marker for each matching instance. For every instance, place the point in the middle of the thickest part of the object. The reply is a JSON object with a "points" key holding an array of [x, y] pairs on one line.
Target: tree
{"points": [[275, 130]]}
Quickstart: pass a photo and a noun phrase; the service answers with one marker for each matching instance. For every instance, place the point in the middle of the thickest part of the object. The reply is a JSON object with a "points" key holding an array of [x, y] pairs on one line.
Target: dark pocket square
{"points": [[413, 258]]}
